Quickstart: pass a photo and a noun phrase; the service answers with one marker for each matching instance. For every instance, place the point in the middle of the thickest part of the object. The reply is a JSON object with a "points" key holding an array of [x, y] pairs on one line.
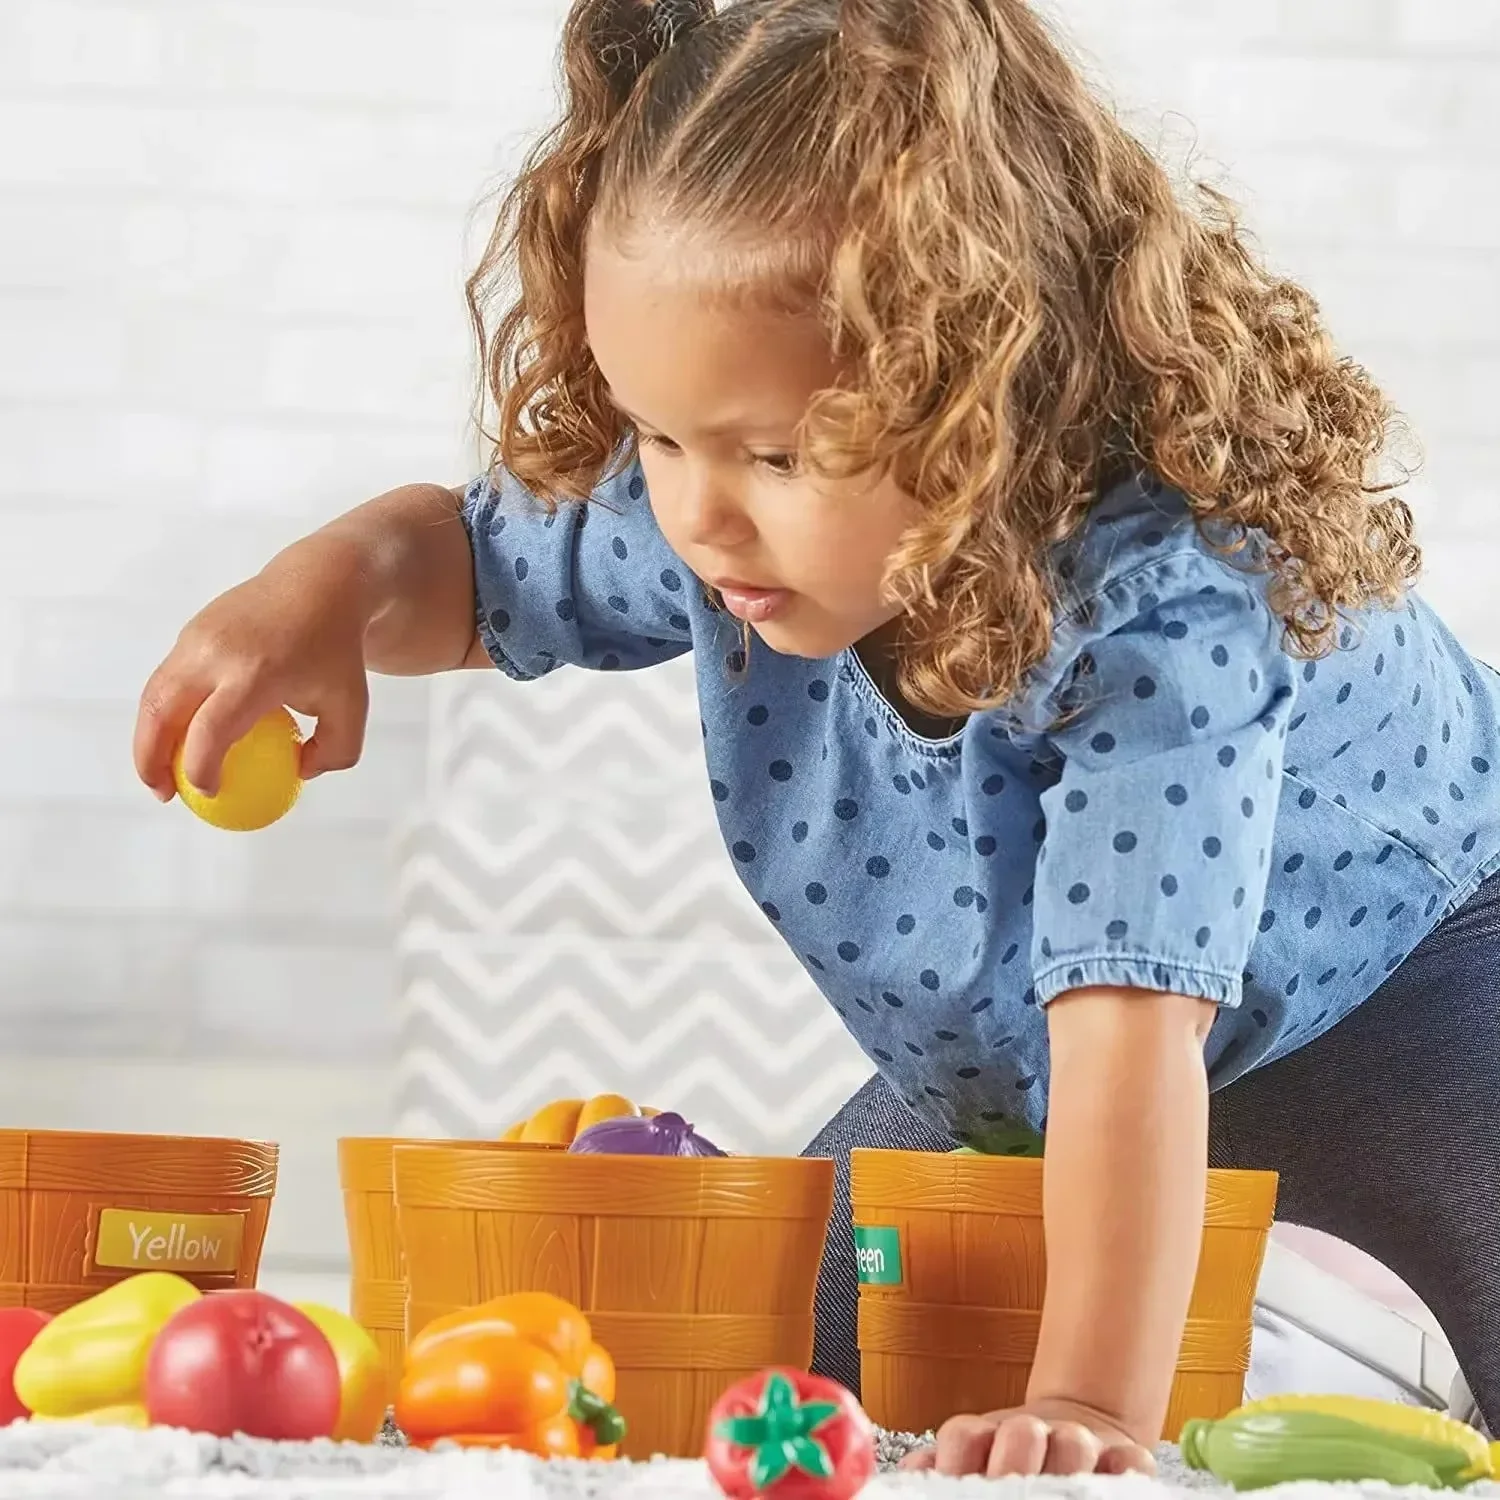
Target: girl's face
{"points": [[716, 395]]}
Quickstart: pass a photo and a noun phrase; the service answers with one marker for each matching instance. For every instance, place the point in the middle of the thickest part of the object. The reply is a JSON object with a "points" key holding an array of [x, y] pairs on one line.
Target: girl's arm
{"points": [[422, 579], [411, 551], [1126, 1175]]}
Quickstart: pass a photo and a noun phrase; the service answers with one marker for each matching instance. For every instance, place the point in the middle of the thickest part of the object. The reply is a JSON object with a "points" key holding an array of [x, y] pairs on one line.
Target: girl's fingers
{"points": [[339, 739], [964, 1445], [228, 713], [1019, 1447], [166, 709], [920, 1458], [1127, 1458], [1071, 1449]]}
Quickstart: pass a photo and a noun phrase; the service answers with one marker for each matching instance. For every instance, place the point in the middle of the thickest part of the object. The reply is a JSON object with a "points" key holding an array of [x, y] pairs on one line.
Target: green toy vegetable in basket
{"points": [[1007, 1138]]}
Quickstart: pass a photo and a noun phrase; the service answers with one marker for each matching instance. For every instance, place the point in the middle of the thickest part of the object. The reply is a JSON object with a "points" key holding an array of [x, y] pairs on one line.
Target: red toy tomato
{"points": [[244, 1362], [18, 1326], [789, 1436]]}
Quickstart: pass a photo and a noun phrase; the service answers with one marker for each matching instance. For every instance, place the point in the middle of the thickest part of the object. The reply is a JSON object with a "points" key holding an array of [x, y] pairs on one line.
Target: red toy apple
{"points": [[243, 1362], [18, 1326], [787, 1435]]}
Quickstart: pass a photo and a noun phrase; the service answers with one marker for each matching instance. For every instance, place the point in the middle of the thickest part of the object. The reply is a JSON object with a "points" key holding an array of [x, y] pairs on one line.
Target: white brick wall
{"points": [[229, 307], [233, 237]]}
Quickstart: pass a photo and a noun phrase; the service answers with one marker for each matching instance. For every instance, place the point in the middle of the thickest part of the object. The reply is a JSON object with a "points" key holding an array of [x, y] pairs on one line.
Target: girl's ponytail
{"points": [[552, 413], [614, 41]]}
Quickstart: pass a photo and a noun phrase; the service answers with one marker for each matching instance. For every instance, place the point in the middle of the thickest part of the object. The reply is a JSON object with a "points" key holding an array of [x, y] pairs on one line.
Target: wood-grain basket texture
{"points": [[60, 1191], [693, 1272], [377, 1291], [951, 1292]]}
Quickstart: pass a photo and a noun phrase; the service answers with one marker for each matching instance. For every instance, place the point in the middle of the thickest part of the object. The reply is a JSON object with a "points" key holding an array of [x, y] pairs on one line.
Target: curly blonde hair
{"points": [[1018, 297]]}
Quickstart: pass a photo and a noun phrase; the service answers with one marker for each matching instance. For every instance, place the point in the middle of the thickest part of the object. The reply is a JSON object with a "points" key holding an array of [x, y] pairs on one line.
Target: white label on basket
{"points": [[143, 1240]]}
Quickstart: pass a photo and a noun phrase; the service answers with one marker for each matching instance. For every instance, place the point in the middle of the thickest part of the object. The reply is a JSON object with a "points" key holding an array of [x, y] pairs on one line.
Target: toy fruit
{"points": [[557, 1123], [663, 1135], [261, 778], [361, 1372], [1290, 1438], [18, 1327], [89, 1362], [511, 1373], [243, 1361], [789, 1436]]}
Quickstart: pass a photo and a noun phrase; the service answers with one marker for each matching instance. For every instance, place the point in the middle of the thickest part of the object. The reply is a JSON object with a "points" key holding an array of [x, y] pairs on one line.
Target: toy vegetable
{"points": [[1286, 1438], [520, 1371], [664, 1135], [557, 1123], [89, 1362], [1006, 1138], [1414, 1421], [789, 1436]]}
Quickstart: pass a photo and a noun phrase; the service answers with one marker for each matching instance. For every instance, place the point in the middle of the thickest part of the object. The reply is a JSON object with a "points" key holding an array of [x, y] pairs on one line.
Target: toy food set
{"points": [[606, 1281], [1284, 1439], [154, 1350]]}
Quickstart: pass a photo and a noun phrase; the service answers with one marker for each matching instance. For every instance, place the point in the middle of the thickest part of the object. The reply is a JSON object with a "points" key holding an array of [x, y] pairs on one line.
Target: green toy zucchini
{"points": [[1252, 1450]]}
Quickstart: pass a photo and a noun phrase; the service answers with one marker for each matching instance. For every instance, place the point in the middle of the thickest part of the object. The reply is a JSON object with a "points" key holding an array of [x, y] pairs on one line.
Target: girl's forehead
{"points": [[681, 359], [765, 269]]}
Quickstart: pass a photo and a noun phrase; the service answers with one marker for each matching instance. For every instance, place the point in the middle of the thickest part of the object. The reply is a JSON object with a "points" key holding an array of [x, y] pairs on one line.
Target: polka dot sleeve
{"points": [[1153, 865], [592, 584]]}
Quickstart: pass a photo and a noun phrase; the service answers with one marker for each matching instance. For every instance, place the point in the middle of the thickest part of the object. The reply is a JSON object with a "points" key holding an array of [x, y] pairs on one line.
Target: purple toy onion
{"points": [[635, 1135]]}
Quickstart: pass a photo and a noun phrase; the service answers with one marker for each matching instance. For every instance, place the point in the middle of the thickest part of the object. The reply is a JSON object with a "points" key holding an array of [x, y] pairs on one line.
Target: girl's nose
{"points": [[712, 514]]}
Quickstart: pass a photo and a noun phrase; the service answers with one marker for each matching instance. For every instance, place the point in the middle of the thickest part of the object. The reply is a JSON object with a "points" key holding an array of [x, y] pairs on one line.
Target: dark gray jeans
{"points": [[1385, 1130]]}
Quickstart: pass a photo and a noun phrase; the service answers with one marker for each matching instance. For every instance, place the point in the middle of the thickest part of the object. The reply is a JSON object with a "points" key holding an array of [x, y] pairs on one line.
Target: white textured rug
{"points": [[112, 1464]]}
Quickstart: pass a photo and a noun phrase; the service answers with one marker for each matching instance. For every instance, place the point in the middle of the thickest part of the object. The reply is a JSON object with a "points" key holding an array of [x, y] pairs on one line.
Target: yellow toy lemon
{"points": [[261, 779]]}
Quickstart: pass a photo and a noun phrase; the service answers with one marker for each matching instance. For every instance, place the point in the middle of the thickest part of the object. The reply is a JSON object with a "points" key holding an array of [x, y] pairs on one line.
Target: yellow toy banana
{"points": [[561, 1121]]}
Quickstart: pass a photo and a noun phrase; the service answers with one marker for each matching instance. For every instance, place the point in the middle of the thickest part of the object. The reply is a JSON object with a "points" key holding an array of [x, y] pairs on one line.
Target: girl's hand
{"points": [[292, 636], [1043, 1437]]}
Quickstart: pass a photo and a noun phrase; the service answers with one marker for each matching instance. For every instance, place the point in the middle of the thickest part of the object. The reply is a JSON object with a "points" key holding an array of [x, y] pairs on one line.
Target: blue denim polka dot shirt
{"points": [[1172, 803]]}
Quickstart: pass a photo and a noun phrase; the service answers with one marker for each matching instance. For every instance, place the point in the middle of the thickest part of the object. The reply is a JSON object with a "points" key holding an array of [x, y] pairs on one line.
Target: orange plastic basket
{"points": [[377, 1290], [80, 1210], [952, 1268], [692, 1272]]}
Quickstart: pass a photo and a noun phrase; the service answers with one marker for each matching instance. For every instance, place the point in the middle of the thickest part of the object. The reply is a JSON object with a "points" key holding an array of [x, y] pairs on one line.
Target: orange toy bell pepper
{"points": [[520, 1371]]}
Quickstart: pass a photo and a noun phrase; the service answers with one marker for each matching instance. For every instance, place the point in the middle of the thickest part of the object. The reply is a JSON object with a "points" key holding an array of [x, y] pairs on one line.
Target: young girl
{"points": [[1064, 705]]}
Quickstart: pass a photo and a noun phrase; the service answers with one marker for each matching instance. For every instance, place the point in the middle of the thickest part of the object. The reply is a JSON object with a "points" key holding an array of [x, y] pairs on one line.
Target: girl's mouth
{"points": [[753, 605]]}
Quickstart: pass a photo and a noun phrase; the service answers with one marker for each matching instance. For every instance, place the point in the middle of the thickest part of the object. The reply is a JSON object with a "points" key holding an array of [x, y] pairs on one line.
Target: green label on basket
{"points": [[146, 1240], [877, 1255]]}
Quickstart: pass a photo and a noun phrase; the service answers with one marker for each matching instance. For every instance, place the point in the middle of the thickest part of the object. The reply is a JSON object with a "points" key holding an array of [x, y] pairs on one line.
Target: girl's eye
{"points": [[656, 440], [783, 465]]}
